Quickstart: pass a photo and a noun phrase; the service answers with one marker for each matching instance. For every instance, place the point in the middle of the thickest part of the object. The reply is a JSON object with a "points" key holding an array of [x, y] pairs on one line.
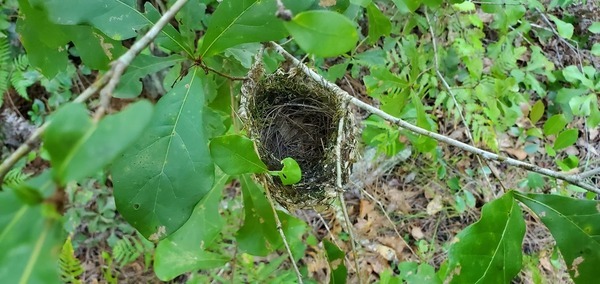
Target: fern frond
{"points": [[20, 84], [21, 62], [5, 67], [70, 267], [127, 250], [14, 177]]}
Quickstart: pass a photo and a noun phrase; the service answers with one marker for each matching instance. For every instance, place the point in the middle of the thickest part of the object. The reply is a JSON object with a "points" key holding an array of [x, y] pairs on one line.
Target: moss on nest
{"points": [[291, 115]]}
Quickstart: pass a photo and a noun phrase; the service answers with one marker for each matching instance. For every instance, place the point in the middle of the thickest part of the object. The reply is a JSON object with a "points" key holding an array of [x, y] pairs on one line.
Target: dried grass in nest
{"points": [[290, 115]]}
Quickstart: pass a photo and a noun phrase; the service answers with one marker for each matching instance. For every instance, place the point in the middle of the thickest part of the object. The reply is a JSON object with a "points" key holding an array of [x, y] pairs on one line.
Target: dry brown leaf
{"points": [[398, 201], [366, 207], [327, 3], [520, 154], [417, 233], [435, 205]]}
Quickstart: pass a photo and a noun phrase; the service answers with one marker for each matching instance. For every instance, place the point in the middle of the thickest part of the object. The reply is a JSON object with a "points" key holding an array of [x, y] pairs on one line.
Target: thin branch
{"points": [[119, 65], [282, 12], [573, 48], [331, 236], [383, 210], [106, 83], [282, 234], [340, 192], [588, 174], [484, 154], [233, 78], [31, 142]]}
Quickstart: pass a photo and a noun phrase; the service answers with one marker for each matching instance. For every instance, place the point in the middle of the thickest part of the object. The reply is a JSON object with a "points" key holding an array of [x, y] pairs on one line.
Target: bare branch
{"points": [[282, 234], [119, 65], [107, 83], [484, 154]]}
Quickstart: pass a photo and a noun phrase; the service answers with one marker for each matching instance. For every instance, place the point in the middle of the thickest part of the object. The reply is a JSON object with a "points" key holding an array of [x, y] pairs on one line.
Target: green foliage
{"points": [[235, 23], [291, 173], [489, 251], [160, 178], [574, 225], [235, 154], [127, 249], [188, 248], [79, 147], [22, 226], [130, 85], [323, 33], [70, 266], [335, 258], [258, 217]]}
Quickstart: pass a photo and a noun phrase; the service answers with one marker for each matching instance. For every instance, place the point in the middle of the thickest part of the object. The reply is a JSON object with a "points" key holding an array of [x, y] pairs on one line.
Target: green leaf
{"points": [[574, 75], [564, 29], [130, 85], [595, 28], [323, 33], [407, 5], [44, 41], [335, 258], [554, 124], [432, 3], [118, 19], [566, 139], [379, 24], [235, 154], [414, 273], [489, 251], [186, 249], [235, 22], [95, 49], [258, 235], [30, 243], [159, 180], [596, 49], [291, 173], [537, 111], [574, 224], [79, 147]]}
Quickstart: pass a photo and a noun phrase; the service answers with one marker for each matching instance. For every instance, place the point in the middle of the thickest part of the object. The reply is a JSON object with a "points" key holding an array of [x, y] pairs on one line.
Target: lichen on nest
{"points": [[291, 115]]}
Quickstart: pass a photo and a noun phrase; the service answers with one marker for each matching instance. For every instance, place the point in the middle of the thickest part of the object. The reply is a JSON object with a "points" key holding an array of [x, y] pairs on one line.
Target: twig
{"points": [[282, 12], [233, 78], [588, 174], [387, 216], [106, 83], [119, 65], [484, 154], [30, 143], [573, 48], [282, 234], [331, 236], [451, 93], [340, 191]]}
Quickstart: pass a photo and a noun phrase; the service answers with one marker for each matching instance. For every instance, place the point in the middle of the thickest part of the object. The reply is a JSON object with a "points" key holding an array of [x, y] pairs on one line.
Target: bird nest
{"points": [[289, 114]]}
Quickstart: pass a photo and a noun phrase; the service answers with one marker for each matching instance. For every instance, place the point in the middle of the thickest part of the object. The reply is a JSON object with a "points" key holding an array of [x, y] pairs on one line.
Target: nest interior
{"points": [[294, 116]]}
